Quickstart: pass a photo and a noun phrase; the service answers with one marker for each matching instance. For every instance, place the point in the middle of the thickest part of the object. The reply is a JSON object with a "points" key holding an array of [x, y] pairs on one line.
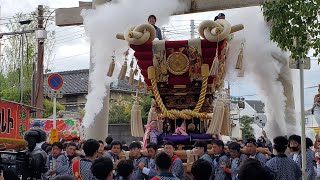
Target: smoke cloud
{"points": [[262, 68], [101, 25]]}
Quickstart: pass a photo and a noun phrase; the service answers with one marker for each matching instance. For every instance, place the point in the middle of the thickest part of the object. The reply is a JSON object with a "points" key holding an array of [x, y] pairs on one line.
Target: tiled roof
{"points": [[76, 82], [257, 105]]}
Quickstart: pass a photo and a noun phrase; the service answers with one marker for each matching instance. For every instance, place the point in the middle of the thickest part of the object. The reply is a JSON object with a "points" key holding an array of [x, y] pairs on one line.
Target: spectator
{"points": [[201, 170], [49, 150], [237, 159], [251, 148], [200, 149], [64, 160], [221, 16], [163, 163], [176, 163], [108, 141], [102, 168], [281, 165], [135, 148], [219, 159], [52, 163], [268, 143], [124, 170], [149, 169], [116, 148], [295, 155], [252, 169], [124, 146], [45, 145], [152, 20], [81, 168], [101, 149]]}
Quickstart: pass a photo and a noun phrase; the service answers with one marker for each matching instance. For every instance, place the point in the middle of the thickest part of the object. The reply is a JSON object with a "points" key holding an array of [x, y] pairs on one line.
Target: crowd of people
{"points": [[215, 160], [235, 160]]}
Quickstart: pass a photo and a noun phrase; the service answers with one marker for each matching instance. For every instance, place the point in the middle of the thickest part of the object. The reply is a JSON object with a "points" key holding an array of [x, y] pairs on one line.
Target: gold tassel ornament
{"points": [[112, 65], [240, 58], [136, 118], [135, 71], [123, 71], [131, 74], [215, 64], [140, 84], [215, 67], [131, 77]]}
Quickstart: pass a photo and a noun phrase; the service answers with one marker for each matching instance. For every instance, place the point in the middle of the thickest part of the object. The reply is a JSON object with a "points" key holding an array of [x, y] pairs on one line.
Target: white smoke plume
{"points": [[102, 24], [262, 68]]}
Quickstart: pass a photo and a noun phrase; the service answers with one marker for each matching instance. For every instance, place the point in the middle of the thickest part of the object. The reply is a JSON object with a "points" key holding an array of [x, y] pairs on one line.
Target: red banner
{"points": [[14, 120]]}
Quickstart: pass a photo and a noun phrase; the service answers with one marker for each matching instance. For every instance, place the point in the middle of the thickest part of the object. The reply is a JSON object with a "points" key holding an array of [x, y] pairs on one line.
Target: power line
{"points": [[71, 56]]}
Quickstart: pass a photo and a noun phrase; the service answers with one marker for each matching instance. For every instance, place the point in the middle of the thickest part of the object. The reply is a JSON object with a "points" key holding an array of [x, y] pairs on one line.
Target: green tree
{"points": [[294, 20], [247, 130], [120, 109], [48, 107], [10, 61]]}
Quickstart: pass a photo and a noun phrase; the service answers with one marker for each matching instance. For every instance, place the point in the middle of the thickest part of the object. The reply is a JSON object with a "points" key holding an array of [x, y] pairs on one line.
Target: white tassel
{"points": [[111, 68], [123, 71], [240, 58], [136, 120], [214, 67]]}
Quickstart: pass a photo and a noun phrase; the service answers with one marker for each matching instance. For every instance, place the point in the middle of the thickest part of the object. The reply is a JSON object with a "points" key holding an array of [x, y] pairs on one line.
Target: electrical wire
{"points": [[59, 59]]}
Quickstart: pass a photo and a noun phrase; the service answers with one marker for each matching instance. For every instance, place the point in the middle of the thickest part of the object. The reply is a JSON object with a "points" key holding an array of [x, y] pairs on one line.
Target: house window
{"points": [[71, 99]]}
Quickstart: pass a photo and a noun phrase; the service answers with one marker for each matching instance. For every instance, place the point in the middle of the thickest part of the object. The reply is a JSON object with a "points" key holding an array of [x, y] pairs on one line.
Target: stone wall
{"points": [[122, 132]]}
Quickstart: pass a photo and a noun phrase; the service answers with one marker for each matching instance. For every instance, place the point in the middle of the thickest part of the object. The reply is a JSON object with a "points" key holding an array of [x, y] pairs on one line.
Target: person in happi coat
{"points": [[102, 168], [149, 169], [219, 159], [295, 155], [124, 170], [253, 169], [236, 159], [201, 170], [65, 159], [163, 163], [200, 149], [283, 167], [113, 154], [251, 150], [176, 163], [52, 160], [81, 168], [135, 152]]}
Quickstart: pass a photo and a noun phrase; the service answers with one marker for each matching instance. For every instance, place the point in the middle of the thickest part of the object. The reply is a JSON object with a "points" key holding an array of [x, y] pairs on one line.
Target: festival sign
{"points": [[66, 127], [14, 120]]}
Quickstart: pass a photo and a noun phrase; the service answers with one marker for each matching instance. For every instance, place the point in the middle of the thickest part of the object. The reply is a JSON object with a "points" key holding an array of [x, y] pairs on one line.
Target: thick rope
{"points": [[185, 113]]}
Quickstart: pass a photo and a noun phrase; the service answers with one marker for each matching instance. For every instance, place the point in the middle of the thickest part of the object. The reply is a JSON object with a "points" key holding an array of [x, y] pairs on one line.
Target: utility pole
{"points": [[21, 69], [303, 121], [192, 26], [39, 75]]}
